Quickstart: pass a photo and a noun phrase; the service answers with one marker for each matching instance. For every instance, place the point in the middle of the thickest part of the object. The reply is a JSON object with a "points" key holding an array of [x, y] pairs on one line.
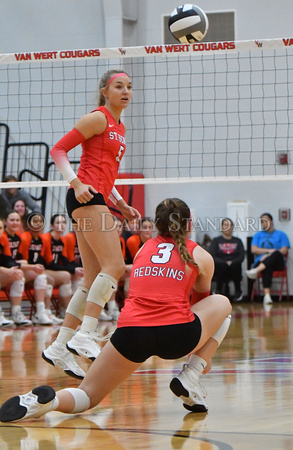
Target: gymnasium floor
{"points": [[250, 393]]}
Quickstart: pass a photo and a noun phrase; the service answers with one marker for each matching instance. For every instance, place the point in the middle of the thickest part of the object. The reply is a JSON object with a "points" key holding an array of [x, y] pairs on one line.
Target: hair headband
{"points": [[116, 75]]}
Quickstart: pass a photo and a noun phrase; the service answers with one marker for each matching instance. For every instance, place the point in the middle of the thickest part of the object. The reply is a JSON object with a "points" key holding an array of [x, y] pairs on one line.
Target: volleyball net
{"points": [[204, 112]]}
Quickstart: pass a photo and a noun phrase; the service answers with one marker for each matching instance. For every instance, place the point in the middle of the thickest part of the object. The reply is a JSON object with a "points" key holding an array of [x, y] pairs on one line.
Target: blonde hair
{"points": [[172, 219], [103, 83]]}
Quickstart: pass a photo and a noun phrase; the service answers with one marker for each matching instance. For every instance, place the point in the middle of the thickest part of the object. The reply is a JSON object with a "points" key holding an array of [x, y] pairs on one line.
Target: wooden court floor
{"points": [[250, 394]]}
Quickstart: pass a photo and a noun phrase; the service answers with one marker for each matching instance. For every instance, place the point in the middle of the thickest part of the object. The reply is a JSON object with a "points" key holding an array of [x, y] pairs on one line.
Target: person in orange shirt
{"points": [[156, 320], [11, 277], [37, 251], [33, 273]]}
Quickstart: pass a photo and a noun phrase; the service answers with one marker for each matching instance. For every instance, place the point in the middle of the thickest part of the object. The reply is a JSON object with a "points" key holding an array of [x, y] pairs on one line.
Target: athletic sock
{"points": [[89, 324], [40, 306], [15, 309], [64, 335], [197, 365]]}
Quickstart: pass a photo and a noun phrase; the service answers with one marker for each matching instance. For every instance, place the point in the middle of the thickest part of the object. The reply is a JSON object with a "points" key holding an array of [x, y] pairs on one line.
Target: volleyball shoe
{"points": [[186, 386], [58, 355], [36, 403]]}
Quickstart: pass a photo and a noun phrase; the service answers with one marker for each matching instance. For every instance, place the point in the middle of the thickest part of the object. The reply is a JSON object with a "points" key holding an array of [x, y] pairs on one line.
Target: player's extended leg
{"points": [[110, 369]]}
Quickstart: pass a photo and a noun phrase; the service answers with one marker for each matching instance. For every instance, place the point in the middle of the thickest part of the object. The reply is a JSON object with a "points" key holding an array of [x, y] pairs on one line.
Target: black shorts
{"points": [[168, 341], [72, 203]]}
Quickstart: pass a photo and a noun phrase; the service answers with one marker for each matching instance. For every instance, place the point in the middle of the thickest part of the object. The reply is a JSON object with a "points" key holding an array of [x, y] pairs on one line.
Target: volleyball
{"points": [[188, 24]]}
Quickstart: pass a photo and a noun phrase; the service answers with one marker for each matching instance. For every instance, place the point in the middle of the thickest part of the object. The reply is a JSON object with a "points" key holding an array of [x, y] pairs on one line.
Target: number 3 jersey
{"points": [[160, 286], [101, 155]]}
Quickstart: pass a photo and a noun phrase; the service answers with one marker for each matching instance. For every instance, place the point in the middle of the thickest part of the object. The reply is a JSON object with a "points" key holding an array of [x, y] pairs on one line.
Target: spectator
{"points": [[11, 277], [37, 250], [10, 195], [228, 253], [61, 269], [33, 273], [270, 247], [20, 207]]}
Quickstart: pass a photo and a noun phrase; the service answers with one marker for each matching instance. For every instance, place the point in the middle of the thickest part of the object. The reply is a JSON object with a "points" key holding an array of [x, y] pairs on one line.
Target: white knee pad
{"points": [[102, 288], [65, 290], [17, 288], [222, 331], [81, 399], [49, 290], [77, 303], [40, 282]]}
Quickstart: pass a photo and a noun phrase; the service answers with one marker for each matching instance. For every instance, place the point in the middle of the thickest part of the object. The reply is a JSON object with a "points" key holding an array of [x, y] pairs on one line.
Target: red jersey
{"points": [[102, 153], [36, 251], [160, 286]]}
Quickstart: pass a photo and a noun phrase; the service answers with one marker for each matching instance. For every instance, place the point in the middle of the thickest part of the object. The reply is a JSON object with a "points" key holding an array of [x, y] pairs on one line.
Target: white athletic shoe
{"points": [[85, 344], [20, 319], [55, 320], [105, 316], [58, 355], [186, 386], [4, 322], [267, 299], [252, 274], [36, 403], [41, 319]]}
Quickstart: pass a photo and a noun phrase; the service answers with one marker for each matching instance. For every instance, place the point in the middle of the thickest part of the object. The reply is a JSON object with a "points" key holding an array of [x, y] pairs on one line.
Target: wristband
{"points": [[115, 196]]}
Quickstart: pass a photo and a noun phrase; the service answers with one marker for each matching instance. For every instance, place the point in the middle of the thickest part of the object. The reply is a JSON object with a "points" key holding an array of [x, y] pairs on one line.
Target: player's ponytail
{"points": [[173, 219]]}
